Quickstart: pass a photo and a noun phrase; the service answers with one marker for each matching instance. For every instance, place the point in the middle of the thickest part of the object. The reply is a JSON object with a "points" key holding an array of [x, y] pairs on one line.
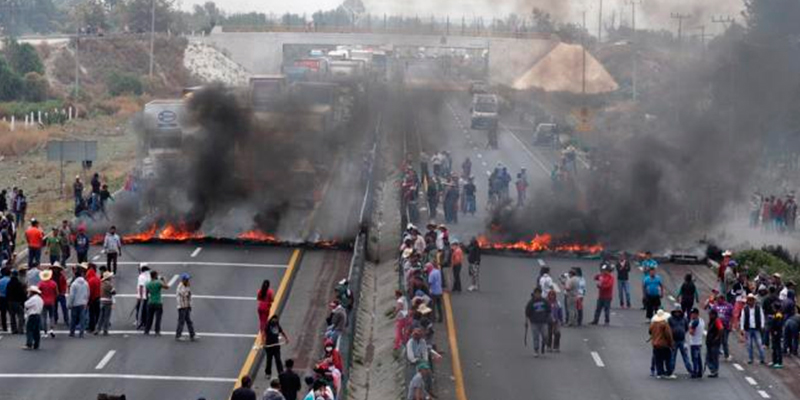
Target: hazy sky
{"points": [[651, 13]]}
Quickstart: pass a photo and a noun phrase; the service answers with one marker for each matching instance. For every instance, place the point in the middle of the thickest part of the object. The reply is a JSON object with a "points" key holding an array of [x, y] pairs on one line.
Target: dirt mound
{"points": [[561, 70]]}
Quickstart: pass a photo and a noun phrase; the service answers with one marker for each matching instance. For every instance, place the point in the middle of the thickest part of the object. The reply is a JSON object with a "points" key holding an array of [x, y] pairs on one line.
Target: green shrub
{"points": [[23, 57], [121, 83], [758, 259], [20, 108], [11, 85], [35, 87]]}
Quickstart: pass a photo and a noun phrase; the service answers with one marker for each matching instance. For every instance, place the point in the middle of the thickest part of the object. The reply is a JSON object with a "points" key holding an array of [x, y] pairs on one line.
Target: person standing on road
{"points": [[545, 282], [400, 319], [35, 238], [20, 208], [49, 292], [155, 308], [33, 317], [77, 191], [725, 314], [776, 336], [537, 315], [265, 297], [5, 277], [107, 293], [65, 238], [272, 345], [141, 295], [556, 319], [714, 338], [469, 190], [435, 285], [751, 326], [63, 288], [679, 325], [82, 244], [184, 297], [416, 388], [605, 286], [15, 293], [273, 392], [662, 342], [290, 381], [338, 320], [112, 246], [623, 281], [456, 261], [696, 328], [571, 297], [244, 392], [688, 294], [522, 187], [653, 291], [53, 244], [474, 259], [77, 301], [95, 288]]}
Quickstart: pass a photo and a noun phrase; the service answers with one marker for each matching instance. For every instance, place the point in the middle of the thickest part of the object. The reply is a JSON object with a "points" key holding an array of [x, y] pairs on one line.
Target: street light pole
{"points": [[152, 34], [633, 4]]}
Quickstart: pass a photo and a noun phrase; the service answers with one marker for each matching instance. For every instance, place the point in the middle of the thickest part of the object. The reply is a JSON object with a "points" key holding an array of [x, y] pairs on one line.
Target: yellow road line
{"points": [[282, 288], [461, 393]]}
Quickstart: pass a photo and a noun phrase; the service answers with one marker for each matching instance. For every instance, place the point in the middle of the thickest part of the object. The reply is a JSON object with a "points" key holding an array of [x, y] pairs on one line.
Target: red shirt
{"points": [[266, 303], [94, 285], [49, 292], [35, 237], [605, 284], [62, 284]]}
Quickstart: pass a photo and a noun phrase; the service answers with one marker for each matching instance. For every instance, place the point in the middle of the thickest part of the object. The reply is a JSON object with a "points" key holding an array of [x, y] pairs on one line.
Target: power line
{"points": [[680, 18]]}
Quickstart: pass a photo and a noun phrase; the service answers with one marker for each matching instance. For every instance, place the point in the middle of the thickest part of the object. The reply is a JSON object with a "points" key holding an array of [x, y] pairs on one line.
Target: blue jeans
{"points": [[697, 361], [602, 306], [624, 289], [680, 347], [77, 320], [754, 339], [712, 358], [61, 301], [34, 257], [33, 332]]}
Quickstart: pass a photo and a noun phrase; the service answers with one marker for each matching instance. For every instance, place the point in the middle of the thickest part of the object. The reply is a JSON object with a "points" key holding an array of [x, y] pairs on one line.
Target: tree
{"points": [[542, 21], [121, 83], [137, 14], [22, 57], [91, 15], [35, 87], [10, 82]]}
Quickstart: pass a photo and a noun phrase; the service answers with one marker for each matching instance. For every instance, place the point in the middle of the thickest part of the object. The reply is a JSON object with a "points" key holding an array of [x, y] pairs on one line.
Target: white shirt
{"points": [[784, 294], [403, 305], [419, 245], [752, 311], [34, 306], [144, 278], [546, 283], [696, 339]]}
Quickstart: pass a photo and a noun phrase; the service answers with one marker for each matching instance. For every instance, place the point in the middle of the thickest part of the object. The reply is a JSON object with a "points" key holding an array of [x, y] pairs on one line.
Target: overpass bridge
{"points": [[262, 52]]}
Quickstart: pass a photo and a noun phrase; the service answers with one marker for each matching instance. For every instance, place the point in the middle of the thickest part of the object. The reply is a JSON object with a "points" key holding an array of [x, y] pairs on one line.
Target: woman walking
{"points": [[272, 344], [265, 298]]}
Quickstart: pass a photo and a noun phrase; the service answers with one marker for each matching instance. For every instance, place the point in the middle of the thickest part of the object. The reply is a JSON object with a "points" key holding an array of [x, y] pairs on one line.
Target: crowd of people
{"points": [[431, 264], [456, 194], [324, 382], [773, 213], [95, 202]]}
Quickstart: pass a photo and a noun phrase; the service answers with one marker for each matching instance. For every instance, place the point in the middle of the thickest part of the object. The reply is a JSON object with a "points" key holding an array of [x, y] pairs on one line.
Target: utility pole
{"points": [[703, 36], [152, 34], [633, 4], [725, 21], [600, 23], [77, 63], [583, 44], [680, 18]]}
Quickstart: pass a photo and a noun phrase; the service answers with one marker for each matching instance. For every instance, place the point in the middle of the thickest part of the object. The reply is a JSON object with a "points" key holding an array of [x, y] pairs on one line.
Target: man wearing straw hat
{"points": [[49, 293], [107, 293], [33, 316]]}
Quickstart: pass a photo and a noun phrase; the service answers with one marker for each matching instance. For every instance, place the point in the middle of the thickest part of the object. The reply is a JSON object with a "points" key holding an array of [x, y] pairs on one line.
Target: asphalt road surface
{"points": [[595, 362], [225, 281]]}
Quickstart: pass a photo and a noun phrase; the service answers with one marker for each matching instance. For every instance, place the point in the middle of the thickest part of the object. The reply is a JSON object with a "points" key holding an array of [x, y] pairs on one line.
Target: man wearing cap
{"points": [[49, 293], [107, 293], [33, 315], [537, 314], [416, 388], [605, 294], [35, 238], [77, 301], [184, 297], [112, 246], [696, 329], [752, 322], [82, 244], [141, 295]]}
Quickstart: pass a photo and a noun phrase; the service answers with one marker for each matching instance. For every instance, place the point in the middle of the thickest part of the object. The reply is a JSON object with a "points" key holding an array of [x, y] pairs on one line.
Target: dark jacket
{"points": [[538, 311], [474, 253], [679, 327], [290, 384], [714, 332], [15, 292]]}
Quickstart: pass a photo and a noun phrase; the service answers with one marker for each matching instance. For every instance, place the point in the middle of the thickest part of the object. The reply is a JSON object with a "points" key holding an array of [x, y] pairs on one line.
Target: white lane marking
{"points": [[763, 394], [488, 173], [540, 261], [173, 280], [738, 367], [484, 163], [597, 360], [530, 153], [750, 380], [196, 296], [105, 359], [120, 376], [480, 155], [196, 252], [97, 257], [199, 334], [190, 263]]}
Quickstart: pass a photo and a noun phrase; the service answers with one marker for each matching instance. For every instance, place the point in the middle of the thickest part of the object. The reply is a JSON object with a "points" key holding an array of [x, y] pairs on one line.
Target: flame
{"points": [[539, 243], [141, 237], [258, 236], [179, 233]]}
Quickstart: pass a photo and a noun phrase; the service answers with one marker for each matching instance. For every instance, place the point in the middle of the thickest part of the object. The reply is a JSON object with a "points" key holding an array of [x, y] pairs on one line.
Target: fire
{"points": [[258, 236], [141, 237], [539, 243], [179, 233]]}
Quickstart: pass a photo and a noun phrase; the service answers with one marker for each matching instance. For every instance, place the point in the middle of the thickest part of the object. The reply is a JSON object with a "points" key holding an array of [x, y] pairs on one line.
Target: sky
{"points": [[651, 13]]}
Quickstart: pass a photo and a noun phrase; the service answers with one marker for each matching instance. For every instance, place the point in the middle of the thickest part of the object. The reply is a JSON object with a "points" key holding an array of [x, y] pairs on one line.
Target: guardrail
{"points": [[357, 262], [422, 29]]}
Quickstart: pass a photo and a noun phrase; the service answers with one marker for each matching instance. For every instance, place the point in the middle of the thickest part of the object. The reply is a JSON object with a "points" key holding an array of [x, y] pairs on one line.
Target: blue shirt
{"points": [[651, 285], [435, 281], [649, 263], [4, 285]]}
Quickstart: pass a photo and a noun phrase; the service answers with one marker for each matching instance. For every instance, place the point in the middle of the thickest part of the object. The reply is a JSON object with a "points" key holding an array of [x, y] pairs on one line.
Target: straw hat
{"points": [[84, 265], [660, 316], [107, 275], [407, 252], [34, 289], [423, 309], [45, 275]]}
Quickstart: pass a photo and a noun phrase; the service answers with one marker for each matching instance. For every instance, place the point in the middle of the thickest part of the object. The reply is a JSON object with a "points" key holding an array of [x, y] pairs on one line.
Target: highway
{"points": [[595, 362]]}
